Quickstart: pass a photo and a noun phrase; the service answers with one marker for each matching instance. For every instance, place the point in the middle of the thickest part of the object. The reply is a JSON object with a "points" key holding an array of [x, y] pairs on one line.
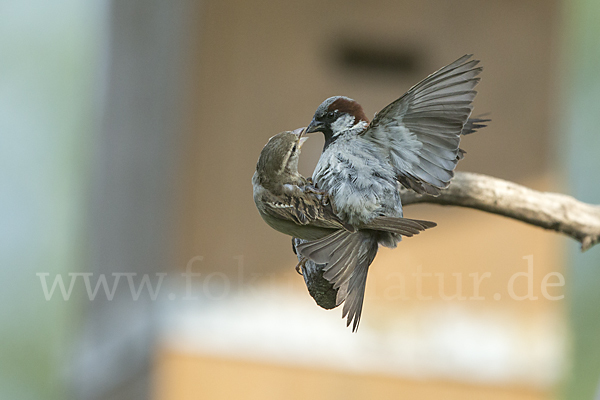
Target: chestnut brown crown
{"points": [[336, 114]]}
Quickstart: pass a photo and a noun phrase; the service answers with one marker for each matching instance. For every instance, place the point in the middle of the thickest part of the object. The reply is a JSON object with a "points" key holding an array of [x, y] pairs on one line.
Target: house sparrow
{"points": [[290, 204], [413, 142], [284, 198]]}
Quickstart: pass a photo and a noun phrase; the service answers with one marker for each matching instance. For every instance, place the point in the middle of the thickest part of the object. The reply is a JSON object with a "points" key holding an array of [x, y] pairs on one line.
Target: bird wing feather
{"points": [[304, 209], [420, 132]]}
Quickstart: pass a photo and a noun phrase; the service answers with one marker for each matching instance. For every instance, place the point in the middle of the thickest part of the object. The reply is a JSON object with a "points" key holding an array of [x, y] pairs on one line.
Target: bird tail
{"points": [[348, 256], [473, 124]]}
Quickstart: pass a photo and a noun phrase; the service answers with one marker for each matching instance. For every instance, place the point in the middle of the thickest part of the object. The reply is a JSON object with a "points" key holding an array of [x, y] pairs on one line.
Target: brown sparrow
{"points": [[284, 198]]}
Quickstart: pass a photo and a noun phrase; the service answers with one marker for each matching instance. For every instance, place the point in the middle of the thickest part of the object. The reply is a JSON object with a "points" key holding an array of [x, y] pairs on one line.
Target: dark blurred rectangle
{"points": [[377, 58]]}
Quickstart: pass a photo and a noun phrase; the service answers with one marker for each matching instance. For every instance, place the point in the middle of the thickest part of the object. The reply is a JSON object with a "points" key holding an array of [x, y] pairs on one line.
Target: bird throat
{"points": [[342, 126]]}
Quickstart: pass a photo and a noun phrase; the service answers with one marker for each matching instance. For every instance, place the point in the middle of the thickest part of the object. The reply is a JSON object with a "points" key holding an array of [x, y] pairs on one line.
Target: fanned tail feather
{"points": [[348, 256]]}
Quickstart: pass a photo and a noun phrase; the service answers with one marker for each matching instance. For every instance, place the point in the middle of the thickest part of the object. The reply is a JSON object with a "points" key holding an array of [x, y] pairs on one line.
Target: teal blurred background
{"points": [[52, 57], [582, 163]]}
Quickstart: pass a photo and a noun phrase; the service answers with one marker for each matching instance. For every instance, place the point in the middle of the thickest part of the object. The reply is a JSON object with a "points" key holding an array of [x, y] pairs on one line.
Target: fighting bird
{"points": [[290, 204], [413, 142], [284, 198]]}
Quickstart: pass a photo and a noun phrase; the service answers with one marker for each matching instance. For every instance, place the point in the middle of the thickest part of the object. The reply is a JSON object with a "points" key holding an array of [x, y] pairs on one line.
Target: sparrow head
{"points": [[336, 115], [278, 161]]}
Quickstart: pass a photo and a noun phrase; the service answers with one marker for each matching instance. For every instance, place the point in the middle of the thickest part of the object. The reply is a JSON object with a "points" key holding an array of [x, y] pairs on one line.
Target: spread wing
{"points": [[304, 208], [420, 132]]}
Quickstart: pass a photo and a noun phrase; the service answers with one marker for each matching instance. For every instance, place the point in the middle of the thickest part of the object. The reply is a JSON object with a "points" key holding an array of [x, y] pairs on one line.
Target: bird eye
{"points": [[330, 114], [294, 149]]}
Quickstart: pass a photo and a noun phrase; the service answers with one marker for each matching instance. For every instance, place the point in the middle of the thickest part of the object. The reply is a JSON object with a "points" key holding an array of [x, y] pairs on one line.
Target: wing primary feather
{"points": [[434, 112]]}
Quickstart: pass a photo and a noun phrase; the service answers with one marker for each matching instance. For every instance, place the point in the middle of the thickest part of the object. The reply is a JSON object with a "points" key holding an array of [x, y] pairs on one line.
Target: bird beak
{"points": [[301, 139], [314, 126], [299, 132]]}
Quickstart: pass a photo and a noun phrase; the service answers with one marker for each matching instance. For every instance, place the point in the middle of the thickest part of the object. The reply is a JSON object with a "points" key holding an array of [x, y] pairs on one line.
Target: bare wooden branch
{"points": [[553, 211]]}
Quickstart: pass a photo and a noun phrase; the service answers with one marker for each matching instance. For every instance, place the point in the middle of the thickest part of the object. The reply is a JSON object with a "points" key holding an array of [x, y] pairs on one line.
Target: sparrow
{"points": [[290, 204], [413, 142], [284, 198]]}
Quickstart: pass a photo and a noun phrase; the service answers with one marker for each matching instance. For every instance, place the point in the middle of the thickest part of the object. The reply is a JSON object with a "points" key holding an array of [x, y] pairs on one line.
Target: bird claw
{"points": [[300, 265], [312, 189], [324, 197]]}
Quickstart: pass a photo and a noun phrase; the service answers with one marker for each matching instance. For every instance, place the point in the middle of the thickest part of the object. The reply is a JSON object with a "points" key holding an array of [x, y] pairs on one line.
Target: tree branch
{"points": [[553, 211]]}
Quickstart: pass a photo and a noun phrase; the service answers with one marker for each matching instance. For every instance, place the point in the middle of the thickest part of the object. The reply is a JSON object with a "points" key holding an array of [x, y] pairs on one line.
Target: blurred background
{"points": [[133, 261]]}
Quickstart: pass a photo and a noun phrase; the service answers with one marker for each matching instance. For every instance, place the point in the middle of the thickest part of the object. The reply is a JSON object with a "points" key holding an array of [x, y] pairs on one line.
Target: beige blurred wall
{"points": [[263, 67]]}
